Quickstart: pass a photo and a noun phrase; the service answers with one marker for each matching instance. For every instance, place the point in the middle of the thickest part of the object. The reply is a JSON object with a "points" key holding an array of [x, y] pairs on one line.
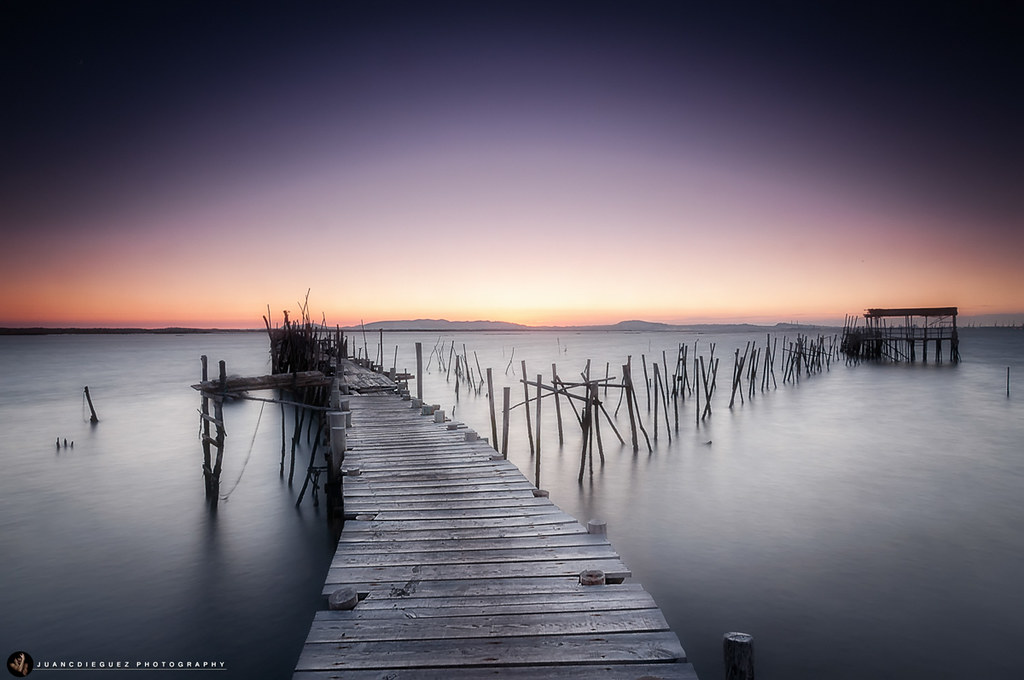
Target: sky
{"points": [[548, 163]]}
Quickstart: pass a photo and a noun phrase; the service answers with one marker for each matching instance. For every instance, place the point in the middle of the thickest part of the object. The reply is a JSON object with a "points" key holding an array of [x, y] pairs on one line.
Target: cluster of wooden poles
{"points": [[303, 345], [307, 394], [666, 390]]}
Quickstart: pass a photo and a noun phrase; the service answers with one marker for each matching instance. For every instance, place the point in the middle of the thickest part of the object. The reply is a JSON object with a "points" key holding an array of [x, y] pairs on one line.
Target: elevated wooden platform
{"points": [[283, 381], [362, 380], [880, 339], [463, 572]]}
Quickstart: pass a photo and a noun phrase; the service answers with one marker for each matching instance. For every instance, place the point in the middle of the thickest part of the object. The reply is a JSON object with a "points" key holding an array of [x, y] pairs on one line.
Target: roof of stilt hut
{"points": [[911, 311]]}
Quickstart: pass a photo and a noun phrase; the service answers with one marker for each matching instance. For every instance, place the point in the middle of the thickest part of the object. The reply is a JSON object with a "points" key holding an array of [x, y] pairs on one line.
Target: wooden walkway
{"points": [[463, 572]]}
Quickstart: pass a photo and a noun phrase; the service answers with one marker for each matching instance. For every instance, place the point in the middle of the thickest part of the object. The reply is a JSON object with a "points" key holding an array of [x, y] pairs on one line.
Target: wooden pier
{"points": [[458, 567], [880, 339]]}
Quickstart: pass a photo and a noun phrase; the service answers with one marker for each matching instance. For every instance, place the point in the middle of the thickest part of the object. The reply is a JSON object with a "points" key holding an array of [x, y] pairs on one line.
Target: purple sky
{"points": [[188, 163]]}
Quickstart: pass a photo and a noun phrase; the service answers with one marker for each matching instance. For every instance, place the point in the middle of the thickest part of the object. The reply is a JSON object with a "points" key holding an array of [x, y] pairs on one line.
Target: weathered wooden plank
{"points": [[510, 603], [553, 585], [366, 575], [568, 649], [465, 513], [514, 543], [414, 443], [327, 629], [442, 479], [432, 466], [453, 534], [436, 455], [440, 462], [510, 499], [623, 671], [353, 526], [468, 556], [500, 607], [519, 499], [264, 382], [496, 487]]}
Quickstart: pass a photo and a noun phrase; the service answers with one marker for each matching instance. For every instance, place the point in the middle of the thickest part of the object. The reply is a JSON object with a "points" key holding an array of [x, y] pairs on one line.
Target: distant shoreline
{"points": [[432, 326], [453, 327], [38, 330]]}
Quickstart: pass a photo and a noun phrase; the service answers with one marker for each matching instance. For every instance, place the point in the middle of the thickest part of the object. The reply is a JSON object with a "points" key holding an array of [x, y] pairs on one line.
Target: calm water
{"points": [[864, 523]]}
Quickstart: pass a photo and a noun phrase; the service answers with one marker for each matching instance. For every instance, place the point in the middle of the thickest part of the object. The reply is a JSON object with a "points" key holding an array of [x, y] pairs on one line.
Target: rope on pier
{"points": [[241, 472]]}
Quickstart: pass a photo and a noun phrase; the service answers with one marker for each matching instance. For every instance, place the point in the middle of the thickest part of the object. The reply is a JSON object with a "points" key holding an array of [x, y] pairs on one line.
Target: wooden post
{"points": [[479, 371], [283, 419], [735, 368], [505, 398], [536, 474], [300, 416], [664, 402], [595, 419], [218, 413], [526, 406], [657, 375], [93, 419], [585, 424], [207, 469], [636, 404], [628, 387], [451, 351], [738, 651], [490, 403], [697, 376], [558, 406], [1007, 382], [647, 381], [419, 371]]}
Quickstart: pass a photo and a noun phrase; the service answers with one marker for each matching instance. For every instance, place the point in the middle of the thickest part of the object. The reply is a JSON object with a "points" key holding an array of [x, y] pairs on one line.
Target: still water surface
{"points": [[866, 522]]}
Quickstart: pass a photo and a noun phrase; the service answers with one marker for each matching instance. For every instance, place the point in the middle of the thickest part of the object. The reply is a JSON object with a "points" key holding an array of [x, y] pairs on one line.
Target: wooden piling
{"points": [[647, 381], [419, 370], [218, 413], [490, 403], [558, 406], [300, 416], [207, 467], [505, 399], [526, 407], [628, 382], [697, 373], [664, 402], [735, 377], [92, 418], [536, 481], [585, 425], [283, 436], [738, 652], [656, 381], [595, 403]]}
